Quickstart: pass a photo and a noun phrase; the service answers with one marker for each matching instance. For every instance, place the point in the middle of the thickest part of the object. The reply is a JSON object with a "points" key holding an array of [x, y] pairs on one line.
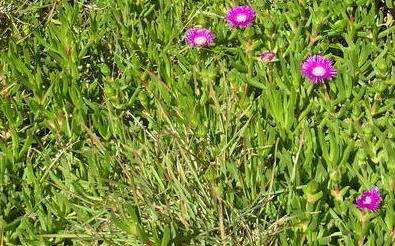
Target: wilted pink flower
{"points": [[268, 56], [240, 16], [199, 37], [369, 200], [318, 69]]}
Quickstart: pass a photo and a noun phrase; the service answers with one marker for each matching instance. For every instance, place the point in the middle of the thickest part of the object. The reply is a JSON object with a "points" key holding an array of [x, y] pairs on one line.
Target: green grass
{"points": [[113, 131]]}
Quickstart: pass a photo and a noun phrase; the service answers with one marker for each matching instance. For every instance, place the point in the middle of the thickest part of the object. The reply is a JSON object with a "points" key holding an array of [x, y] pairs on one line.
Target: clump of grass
{"points": [[113, 131]]}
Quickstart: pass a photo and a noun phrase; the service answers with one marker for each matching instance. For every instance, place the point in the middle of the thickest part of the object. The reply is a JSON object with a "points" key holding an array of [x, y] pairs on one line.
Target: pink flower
{"points": [[199, 37], [240, 17], [268, 56], [369, 200], [318, 69]]}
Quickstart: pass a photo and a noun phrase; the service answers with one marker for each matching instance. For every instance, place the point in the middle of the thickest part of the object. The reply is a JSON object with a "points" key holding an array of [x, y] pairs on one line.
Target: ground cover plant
{"points": [[154, 122]]}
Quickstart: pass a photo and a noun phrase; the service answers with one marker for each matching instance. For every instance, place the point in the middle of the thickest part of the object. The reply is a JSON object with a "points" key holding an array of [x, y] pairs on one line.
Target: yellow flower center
{"points": [[200, 40]]}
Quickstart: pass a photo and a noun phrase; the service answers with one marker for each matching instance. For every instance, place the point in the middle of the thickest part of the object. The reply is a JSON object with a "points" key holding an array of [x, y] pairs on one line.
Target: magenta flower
{"points": [[369, 200], [268, 56], [240, 17], [318, 69], [199, 37]]}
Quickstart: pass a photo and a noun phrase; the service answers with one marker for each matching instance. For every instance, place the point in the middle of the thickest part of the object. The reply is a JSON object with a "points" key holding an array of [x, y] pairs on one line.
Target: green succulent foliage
{"points": [[114, 132]]}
